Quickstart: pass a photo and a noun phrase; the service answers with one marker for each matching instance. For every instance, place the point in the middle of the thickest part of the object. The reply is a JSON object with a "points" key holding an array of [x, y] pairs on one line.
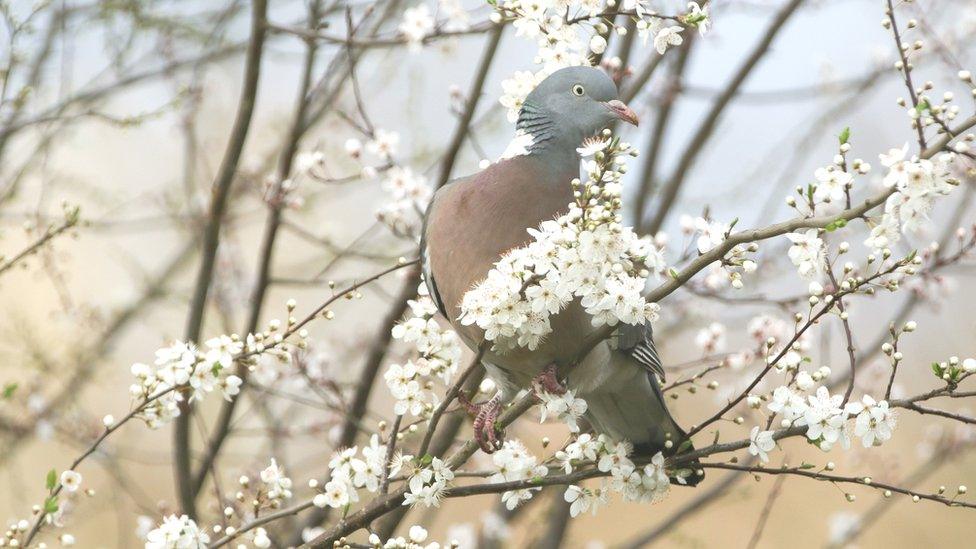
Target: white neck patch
{"points": [[519, 146]]}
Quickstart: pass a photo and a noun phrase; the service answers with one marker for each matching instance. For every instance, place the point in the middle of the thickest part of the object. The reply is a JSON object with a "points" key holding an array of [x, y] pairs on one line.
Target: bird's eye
{"points": [[578, 90]]}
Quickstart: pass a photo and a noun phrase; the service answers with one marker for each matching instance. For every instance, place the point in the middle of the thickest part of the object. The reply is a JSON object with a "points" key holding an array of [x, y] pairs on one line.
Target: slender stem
{"points": [[907, 72], [474, 94], [390, 449], [272, 225], [766, 511], [665, 107], [710, 122], [838, 479], [49, 234], [91, 450], [449, 398], [848, 335], [211, 239]]}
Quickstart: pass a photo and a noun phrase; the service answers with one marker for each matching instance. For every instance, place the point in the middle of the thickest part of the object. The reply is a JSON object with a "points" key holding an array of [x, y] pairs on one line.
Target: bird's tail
{"points": [[630, 405]]}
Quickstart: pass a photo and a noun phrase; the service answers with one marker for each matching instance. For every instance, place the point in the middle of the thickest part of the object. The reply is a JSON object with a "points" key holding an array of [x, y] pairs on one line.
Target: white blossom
{"points": [[565, 407], [916, 183], [668, 36], [874, 422], [335, 495], [582, 499], [825, 419], [416, 25], [275, 481], [513, 462], [457, 18], [385, 143], [761, 442], [70, 480], [831, 184], [514, 92], [807, 252], [177, 533], [698, 16], [789, 405]]}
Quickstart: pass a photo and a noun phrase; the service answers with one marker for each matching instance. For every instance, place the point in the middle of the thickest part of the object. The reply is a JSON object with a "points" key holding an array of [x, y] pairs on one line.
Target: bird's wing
{"points": [[638, 343], [425, 259]]}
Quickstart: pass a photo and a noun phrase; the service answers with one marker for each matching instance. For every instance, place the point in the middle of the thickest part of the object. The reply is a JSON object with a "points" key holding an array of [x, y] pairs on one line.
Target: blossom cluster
{"points": [[586, 253], [917, 182], [183, 368], [566, 407], [570, 33], [184, 365], [416, 539], [649, 483], [438, 354], [513, 462], [409, 192], [177, 531], [348, 473], [418, 23], [709, 234], [427, 483], [277, 485], [827, 420]]}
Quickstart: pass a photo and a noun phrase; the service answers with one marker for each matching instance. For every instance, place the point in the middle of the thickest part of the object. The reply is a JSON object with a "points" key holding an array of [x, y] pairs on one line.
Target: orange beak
{"points": [[622, 111]]}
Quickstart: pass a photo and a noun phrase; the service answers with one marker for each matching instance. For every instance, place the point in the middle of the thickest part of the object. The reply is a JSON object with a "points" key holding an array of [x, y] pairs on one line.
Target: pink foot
{"points": [[485, 414], [547, 381]]}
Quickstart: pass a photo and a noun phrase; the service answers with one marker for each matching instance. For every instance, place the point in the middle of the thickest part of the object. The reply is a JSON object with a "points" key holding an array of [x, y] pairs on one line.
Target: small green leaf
{"points": [[51, 505], [937, 370], [922, 106], [535, 480], [845, 135], [673, 273], [427, 459], [806, 465], [684, 446], [52, 479], [8, 390]]}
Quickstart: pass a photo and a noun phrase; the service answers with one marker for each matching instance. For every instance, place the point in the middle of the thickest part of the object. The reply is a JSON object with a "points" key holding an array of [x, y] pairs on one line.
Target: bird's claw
{"points": [[485, 414], [548, 382]]}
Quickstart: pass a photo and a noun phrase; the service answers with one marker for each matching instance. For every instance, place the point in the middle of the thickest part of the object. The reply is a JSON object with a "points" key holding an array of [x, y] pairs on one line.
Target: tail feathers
{"points": [[691, 473], [633, 408]]}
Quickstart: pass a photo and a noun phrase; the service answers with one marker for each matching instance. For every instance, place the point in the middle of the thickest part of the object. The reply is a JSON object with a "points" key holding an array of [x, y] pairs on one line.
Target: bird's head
{"points": [[572, 104]]}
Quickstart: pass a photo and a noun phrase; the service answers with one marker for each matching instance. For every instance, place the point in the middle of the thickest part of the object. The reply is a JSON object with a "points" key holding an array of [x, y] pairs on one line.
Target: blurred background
{"points": [[124, 108]]}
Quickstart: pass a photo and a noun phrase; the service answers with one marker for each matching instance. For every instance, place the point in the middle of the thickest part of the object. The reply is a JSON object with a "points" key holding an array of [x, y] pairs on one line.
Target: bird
{"points": [[472, 221]]}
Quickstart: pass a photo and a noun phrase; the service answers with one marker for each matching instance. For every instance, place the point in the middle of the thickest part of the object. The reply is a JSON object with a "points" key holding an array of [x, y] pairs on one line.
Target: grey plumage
{"points": [[474, 220]]}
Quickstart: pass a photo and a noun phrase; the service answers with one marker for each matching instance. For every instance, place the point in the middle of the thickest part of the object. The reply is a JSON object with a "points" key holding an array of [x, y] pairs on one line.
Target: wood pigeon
{"points": [[472, 221]]}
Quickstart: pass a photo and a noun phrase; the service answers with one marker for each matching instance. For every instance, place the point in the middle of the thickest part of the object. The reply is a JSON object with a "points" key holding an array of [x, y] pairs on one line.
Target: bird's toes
{"points": [[548, 381], [485, 430]]}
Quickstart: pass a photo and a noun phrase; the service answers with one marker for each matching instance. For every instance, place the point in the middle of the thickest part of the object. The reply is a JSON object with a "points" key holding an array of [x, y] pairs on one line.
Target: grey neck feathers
{"points": [[548, 138]]}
